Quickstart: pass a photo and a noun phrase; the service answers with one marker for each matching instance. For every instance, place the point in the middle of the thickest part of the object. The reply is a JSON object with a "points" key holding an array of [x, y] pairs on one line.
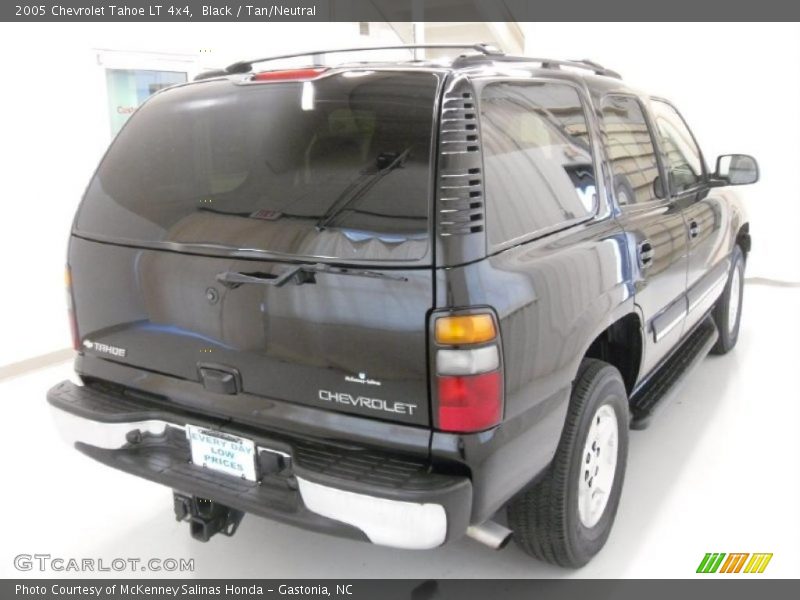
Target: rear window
{"points": [[336, 168]]}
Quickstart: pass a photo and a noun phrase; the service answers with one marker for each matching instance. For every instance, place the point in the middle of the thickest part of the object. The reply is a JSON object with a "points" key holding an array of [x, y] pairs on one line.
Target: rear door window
{"points": [[334, 168], [683, 156], [630, 149], [537, 157]]}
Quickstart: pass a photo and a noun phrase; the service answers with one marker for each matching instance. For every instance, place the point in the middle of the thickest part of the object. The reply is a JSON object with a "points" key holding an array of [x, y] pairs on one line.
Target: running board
{"points": [[662, 385]]}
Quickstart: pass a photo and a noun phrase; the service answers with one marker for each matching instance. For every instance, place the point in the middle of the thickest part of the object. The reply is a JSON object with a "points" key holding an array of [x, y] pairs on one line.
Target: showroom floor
{"points": [[717, 471]]}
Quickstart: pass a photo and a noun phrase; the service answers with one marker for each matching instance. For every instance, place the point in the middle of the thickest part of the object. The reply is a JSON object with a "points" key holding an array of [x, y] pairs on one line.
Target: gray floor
{"points": [[716, 472]]}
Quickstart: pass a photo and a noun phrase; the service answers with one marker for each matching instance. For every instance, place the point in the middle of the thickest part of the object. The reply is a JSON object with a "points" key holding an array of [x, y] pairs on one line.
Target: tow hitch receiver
{"points": [[206, 517]]}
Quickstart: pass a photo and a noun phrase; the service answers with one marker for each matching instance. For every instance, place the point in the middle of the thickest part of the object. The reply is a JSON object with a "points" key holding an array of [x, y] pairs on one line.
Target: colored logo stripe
{"points": [[710, 562], [734, 562], [758, 563]]}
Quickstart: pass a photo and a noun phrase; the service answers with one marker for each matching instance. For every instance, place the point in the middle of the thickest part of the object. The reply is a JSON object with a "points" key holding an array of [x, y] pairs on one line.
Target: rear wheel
{"points": [[567, 517], [727, 312]]}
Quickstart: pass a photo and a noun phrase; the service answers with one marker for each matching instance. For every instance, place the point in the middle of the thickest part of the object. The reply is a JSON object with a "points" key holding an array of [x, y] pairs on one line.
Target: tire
{"points": [[727, 313], [547, 521]]}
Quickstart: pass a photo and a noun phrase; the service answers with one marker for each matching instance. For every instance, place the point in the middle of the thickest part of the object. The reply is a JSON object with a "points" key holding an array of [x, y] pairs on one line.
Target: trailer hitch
{"points": [[206, 517]]}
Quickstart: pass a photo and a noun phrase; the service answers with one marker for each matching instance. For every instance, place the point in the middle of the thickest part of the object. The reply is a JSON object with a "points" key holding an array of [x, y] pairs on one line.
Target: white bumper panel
{"points": [[386, 522]]}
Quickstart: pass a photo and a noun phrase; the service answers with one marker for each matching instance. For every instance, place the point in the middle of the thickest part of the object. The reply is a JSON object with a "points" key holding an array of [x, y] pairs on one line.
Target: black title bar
{"points": [[396, 10], [744, 588]]}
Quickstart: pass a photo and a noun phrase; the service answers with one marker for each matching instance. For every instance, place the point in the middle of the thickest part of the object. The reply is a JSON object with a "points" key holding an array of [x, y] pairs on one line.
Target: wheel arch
{"points": [[621, 344]]}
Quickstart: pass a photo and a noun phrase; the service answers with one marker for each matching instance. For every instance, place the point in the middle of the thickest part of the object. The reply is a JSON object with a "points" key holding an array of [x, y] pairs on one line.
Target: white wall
{"points": [[738, 86], [55, 127], [507, 36]]}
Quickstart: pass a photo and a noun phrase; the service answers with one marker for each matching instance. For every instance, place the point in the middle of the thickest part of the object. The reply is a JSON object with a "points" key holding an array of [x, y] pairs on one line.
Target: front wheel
{"points": [[567, 517], [727, 313]]}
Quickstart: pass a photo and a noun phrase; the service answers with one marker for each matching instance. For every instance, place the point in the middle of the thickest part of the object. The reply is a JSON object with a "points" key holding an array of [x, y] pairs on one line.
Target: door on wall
{"points": [[128, 88]]}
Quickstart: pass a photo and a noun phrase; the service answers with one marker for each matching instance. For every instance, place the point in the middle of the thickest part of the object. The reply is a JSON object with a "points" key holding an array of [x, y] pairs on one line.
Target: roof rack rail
{"points": [[245, 66], [546, 63], [598, 68]]}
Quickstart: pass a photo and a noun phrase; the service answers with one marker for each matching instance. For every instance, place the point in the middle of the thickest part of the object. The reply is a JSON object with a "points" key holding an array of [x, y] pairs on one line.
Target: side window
{"points": [[537, 157], [683, 159], [630, 150]]}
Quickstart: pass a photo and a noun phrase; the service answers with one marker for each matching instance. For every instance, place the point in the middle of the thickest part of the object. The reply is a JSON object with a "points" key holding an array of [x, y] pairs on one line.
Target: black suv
{"points": [[387, 300]]}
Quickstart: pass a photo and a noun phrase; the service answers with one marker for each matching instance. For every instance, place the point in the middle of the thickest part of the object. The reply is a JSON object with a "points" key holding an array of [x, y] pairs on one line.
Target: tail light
{"points": [[469, 375], [73, 322]]}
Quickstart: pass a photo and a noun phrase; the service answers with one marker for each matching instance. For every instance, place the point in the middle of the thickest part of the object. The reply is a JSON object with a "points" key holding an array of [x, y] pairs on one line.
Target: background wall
{"points": [[737, 85]]}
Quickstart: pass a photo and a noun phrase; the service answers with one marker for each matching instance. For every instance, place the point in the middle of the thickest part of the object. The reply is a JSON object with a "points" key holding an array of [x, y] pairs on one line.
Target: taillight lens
{"points": [[471, 402], [465, 329], [73, 322], [467, 361], [469, 375]]}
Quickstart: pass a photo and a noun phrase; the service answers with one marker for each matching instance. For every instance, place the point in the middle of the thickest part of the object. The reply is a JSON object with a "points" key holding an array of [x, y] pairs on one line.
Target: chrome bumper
{"points": [[383, 521]]}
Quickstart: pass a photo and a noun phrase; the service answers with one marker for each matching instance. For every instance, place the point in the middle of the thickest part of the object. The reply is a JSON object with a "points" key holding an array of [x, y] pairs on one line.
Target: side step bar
{"points": [[656, 390]]}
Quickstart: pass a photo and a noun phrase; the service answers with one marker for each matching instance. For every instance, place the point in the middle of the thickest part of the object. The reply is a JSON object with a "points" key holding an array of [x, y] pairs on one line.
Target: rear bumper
{"points": [[387, 499]]}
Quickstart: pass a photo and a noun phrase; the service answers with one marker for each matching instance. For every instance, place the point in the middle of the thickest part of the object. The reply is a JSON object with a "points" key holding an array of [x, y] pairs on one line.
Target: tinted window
{"points": [[334, 168], [684, 162], [537, 157], [630, 150]]}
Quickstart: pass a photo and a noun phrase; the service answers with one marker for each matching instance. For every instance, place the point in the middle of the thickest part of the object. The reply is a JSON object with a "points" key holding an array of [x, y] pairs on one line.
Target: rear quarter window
{"points": [[539, 169]]}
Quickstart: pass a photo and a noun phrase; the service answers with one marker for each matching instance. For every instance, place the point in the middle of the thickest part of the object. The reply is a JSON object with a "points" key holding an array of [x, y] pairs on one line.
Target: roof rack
{"points": [[245, 66], [545, 63], [486, 52]]}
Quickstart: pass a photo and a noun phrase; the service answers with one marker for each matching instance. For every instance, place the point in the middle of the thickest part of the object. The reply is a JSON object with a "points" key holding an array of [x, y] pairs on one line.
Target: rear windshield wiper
{"points": [[387, 162], [360, 187], [298, 275]]}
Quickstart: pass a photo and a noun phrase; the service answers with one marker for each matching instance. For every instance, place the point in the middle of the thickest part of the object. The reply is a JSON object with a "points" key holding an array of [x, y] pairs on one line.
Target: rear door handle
{"points": [[694, 229], [220, 379], [645, 252]]}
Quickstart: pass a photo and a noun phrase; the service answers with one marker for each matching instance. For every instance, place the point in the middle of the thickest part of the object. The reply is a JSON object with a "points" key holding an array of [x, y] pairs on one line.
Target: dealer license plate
{"points": [[222, 452]]}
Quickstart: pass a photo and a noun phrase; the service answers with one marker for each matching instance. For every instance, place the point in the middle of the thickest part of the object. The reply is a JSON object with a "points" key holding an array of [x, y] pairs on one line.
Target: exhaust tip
{"points": [[506, 540], [490, 534]]}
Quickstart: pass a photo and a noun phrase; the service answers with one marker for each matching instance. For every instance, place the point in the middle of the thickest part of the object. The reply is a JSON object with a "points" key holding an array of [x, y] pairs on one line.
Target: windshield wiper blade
{"points": [[359, 188]]}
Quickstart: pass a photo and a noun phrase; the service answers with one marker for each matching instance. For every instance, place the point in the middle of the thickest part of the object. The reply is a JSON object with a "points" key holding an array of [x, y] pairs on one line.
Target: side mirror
{"points": [[736, 169]]}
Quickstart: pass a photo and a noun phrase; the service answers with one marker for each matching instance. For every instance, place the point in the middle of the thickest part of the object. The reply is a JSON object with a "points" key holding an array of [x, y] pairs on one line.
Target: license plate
{"points": [[223, 452]]}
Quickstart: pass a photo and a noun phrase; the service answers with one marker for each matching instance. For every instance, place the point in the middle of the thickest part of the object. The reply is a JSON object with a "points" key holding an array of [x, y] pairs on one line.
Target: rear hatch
{"points": [[269, 238]]}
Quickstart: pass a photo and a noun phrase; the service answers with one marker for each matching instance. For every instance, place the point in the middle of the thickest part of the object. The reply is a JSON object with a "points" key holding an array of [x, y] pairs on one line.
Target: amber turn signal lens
{"points": [[465, 329]]}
